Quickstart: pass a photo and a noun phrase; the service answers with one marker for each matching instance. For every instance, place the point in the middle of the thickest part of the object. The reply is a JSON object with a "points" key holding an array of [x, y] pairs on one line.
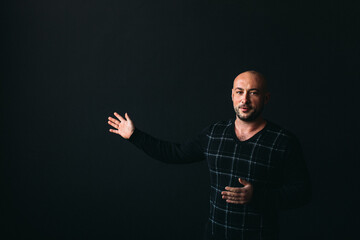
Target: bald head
{"points": [[249, 96], [255, 76]]}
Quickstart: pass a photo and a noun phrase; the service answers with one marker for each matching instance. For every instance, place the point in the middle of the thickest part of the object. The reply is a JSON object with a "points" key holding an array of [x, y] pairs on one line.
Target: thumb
{"points": [[127, 117], [243, 182]]}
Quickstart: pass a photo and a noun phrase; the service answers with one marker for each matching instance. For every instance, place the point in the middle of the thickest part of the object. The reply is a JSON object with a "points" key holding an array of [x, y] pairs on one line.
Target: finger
{"points": [[234, 189], [235, 202], [113, 125], [119, 117], [114, 120], [243, 182], [232, 194], [113, 131], [127, 117], [232, 198], [235, 198]]}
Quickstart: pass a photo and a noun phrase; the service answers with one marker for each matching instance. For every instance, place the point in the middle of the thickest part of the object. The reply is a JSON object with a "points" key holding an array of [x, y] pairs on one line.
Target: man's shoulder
{"points": [[218, 127], [284, 135], [222, 124]]}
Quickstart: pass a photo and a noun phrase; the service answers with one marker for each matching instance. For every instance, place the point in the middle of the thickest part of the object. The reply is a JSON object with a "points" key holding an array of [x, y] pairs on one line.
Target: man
{"points": [[256, 167]]}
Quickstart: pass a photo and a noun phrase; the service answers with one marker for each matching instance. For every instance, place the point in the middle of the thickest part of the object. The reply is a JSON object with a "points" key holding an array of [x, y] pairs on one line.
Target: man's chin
{"points": [[247, 118]]}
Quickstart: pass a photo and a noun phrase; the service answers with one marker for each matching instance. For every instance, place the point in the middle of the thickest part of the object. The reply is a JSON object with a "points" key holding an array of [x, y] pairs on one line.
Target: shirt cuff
{"points": [[134, 136]]}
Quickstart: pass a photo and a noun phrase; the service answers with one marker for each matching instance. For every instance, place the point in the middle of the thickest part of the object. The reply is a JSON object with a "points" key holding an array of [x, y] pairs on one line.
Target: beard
{"points": [[250, 116]]}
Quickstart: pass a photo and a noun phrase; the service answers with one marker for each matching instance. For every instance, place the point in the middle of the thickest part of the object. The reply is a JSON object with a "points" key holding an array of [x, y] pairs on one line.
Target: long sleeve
{"points": [[189, 151], [295, 190]]}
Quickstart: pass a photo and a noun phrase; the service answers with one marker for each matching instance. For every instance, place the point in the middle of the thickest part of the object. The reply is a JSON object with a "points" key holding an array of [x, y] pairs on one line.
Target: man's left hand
{"points": [[238, 195]]}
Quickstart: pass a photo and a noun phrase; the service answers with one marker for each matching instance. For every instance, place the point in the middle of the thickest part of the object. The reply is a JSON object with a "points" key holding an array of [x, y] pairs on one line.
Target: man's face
{"points": [[249, 96]]}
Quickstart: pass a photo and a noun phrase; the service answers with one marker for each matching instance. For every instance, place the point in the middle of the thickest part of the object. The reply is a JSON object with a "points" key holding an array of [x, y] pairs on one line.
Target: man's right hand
{"points": [[124, 126]]}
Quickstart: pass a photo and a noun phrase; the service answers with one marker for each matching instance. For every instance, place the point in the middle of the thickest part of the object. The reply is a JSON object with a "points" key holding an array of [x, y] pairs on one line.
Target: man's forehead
{"points": [[248, 81]]}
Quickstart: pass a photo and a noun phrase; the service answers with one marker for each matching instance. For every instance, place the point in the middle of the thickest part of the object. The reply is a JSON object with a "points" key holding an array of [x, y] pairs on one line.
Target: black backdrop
{"points": [[68, 65]]}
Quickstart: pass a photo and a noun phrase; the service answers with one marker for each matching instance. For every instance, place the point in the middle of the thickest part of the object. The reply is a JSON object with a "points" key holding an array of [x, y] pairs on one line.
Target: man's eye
{"points": [[239, 92], [253, 93]]}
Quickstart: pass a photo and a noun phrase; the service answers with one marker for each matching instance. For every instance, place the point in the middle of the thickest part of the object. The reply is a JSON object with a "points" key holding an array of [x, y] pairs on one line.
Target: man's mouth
{"points": [[245, 108]]}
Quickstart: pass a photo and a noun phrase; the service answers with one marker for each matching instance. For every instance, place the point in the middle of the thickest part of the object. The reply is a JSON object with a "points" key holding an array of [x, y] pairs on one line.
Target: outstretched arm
{"points": [[190, 151]]}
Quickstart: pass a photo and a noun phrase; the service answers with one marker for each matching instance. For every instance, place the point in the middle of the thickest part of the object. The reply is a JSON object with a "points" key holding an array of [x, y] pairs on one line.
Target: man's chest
{"points": [[254, 160]]}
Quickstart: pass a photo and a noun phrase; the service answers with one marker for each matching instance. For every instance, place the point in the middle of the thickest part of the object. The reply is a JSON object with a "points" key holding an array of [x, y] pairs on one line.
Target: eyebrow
{"points": [[251, 89]]}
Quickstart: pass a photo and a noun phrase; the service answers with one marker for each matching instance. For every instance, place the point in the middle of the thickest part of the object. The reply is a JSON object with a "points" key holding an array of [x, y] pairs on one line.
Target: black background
{"points": [[68, 65]]}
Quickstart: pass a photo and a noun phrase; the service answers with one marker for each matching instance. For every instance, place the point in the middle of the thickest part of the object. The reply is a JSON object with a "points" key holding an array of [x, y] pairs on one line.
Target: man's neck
{"points": [[246, 129]]}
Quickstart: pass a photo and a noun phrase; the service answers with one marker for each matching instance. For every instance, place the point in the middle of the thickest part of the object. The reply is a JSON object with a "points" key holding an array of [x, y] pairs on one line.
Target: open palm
{"points": [[123, 126]]}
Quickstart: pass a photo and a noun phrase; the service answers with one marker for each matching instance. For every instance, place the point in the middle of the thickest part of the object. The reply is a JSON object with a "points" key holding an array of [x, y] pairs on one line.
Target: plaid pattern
{"points": [[257, 160], [269, 160]]}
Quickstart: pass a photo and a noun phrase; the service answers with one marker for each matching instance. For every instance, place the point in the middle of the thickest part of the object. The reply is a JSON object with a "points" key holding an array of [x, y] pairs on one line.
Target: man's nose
{"points": [[245, 98]]}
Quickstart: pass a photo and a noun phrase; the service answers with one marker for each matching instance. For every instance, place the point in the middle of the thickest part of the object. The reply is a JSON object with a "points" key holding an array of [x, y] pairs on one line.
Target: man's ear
{"points": [[267, 97]]}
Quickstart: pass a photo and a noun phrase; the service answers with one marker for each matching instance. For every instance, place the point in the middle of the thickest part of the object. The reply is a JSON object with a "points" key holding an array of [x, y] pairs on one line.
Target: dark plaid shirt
{"points": [[271, 160]]}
